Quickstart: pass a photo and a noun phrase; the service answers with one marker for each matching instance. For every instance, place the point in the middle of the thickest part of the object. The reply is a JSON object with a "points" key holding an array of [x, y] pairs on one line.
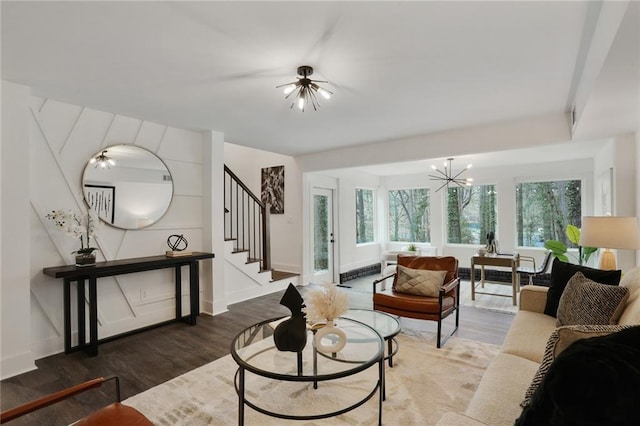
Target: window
{"points": [[472, 213], [544, 209], [364, 216], [409, 213]]}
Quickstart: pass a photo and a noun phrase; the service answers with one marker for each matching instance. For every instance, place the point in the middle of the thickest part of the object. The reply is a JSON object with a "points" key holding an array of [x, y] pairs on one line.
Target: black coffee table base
{"points": [[239, 382]]}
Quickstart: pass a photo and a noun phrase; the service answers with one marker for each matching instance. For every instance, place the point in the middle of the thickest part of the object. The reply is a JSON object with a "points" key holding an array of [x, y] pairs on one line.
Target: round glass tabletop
{"points": [[254, 350], [385, 324]]}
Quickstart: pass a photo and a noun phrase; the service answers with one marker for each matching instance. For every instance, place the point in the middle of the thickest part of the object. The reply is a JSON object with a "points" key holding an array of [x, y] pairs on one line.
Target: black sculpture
{"points": [[177, 242], [291, 335]]}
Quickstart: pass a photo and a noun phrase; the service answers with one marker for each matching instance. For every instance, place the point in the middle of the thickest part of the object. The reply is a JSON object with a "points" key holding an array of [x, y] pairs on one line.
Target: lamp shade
{"points": [[609, 232]]}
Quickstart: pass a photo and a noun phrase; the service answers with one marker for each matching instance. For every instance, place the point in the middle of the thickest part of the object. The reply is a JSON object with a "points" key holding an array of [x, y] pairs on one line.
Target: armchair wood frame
{"points": [[447, 302], [115, 413]]}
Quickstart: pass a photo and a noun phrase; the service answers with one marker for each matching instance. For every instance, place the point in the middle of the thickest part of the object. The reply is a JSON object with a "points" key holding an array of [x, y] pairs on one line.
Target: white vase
{"points": [[330, 333]]}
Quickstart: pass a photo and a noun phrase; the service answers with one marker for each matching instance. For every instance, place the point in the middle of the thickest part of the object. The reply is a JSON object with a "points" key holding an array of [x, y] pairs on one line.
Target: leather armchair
{"points": [[115, 414], [423, 307]]}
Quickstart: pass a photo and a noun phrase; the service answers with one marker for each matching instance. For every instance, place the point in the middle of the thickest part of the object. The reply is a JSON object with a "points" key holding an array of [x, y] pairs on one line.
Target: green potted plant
{"points": [[412, 247], [560, 249]]}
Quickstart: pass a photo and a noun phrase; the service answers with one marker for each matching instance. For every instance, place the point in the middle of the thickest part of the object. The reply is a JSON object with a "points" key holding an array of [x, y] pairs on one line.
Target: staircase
{"points": [[247, 244]]}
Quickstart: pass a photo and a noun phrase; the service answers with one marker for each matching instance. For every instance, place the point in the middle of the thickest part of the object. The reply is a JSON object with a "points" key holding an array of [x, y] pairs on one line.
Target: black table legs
{"points": [[80, 300], [194, 291], [66, 291], [92, 350], [178, 281], [91, 347]]}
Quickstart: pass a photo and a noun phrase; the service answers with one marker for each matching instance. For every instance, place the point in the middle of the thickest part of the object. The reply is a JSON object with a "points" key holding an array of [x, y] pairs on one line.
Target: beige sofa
{"points": [[503, 386]]}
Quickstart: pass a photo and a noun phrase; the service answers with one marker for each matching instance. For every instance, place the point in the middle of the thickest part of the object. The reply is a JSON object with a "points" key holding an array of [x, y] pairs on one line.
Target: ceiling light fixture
{"points": [[305, 89], [448, 177], [102, 160]]}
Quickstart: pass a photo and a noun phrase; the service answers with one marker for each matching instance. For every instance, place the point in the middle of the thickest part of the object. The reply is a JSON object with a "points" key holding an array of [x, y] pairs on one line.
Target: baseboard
{"points": [[17, 364], [364, 271], [503, 276]]}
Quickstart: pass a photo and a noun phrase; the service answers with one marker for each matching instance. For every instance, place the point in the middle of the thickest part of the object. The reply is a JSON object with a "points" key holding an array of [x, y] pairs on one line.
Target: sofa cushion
{"points": [[592, 382], [562, 272], [497, 399], [631, 313], [585, 301], [559, 340], [421, 282], [528, 335]]}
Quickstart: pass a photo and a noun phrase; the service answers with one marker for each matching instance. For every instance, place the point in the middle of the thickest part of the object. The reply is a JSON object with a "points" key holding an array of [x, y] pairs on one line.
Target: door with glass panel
{"points": [[322, 238]]}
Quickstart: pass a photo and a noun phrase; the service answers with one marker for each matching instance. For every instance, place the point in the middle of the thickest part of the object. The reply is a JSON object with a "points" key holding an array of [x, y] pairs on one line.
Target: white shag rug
{"points": [[424, 383]]}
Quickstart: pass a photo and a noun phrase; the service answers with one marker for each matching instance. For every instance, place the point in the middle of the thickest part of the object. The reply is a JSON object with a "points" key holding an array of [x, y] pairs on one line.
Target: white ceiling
{"points": [[397, 68]]}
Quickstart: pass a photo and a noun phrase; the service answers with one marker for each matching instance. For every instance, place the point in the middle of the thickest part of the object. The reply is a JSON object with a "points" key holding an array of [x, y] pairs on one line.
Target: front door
{"points": [[322, 238]]}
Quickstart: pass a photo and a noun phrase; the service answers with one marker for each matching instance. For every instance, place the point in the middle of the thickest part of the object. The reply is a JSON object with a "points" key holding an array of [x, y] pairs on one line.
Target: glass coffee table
{"points": [[287, 374], [388, 326]]}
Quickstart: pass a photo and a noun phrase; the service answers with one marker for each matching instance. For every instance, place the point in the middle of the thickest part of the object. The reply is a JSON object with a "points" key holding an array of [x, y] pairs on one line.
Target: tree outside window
{"points": [[365, 213], [544, 209], [472, 213], [409, 212]]}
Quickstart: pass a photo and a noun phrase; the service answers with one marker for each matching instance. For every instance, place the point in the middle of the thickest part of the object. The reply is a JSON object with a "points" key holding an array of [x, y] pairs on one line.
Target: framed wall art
{"points": [[272, 190], [101, 198]]}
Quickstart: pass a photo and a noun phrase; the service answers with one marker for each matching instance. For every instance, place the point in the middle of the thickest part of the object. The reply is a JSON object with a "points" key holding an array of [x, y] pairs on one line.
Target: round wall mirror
{"points": [[128, 186]]}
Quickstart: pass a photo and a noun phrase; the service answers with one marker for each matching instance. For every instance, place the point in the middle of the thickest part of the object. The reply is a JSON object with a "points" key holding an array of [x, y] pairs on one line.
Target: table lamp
{"points": [[609, 232]]}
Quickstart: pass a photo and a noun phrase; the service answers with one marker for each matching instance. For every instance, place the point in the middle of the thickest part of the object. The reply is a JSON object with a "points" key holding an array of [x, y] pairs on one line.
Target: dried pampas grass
{"points": [[325, 304]]}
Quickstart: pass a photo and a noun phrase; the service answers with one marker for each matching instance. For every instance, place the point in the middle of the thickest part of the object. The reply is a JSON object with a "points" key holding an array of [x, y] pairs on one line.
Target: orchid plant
{"points": [[82, 227]]}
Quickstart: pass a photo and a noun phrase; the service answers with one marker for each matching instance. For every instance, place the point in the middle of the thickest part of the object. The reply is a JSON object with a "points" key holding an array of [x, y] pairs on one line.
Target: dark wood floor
{"points": [[147, 359]]}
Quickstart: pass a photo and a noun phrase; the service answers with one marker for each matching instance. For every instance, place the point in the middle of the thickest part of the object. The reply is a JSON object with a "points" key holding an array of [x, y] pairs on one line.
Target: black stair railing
{"points": [[246, 220]]}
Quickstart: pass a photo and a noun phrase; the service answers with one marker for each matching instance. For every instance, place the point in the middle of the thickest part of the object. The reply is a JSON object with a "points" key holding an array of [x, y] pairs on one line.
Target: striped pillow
{"points": [[585, 301]]}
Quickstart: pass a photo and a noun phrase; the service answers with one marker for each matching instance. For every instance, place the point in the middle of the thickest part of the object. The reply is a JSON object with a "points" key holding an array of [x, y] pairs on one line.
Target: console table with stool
{"points": [[110, 268]]}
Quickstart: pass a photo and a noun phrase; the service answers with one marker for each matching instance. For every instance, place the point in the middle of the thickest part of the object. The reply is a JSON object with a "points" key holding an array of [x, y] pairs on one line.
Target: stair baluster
{"points": [[246, 220]]}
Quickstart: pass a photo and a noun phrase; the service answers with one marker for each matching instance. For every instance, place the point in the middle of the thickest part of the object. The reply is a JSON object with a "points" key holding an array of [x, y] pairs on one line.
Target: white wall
{"points": [[352, 255], [46, 169], [15, 341], [286, 229], [618, 154]]}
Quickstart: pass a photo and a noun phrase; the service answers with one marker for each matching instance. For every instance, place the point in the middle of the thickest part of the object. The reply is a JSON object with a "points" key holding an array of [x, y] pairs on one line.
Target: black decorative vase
{"points": [[86, 259], [291, 335]]}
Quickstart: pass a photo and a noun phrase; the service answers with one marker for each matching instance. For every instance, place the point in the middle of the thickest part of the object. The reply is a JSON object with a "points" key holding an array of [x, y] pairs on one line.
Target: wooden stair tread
{"points": [[282, 275]]}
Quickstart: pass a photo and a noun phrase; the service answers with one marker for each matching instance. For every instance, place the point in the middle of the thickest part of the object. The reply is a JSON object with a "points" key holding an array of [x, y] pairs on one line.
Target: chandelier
{"points": [[448, 177], [305, 90], [102, 160]]}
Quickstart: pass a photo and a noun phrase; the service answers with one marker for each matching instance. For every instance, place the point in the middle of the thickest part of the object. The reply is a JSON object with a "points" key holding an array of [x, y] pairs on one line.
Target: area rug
{"points": [[423, 384]]}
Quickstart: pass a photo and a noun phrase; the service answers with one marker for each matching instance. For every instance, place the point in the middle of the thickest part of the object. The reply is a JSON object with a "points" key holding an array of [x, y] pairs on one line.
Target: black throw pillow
{"points": [[562, 272], [593, 382]]}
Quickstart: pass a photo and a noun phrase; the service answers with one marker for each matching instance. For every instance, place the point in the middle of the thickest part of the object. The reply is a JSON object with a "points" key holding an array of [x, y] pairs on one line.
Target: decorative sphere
{"points": [[177, 242]]}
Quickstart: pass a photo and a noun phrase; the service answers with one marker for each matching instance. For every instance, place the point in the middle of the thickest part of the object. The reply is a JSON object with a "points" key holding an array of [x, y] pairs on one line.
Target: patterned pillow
{"points": [[559, 340], [585, 301], [562, 272], [421, 282]]}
